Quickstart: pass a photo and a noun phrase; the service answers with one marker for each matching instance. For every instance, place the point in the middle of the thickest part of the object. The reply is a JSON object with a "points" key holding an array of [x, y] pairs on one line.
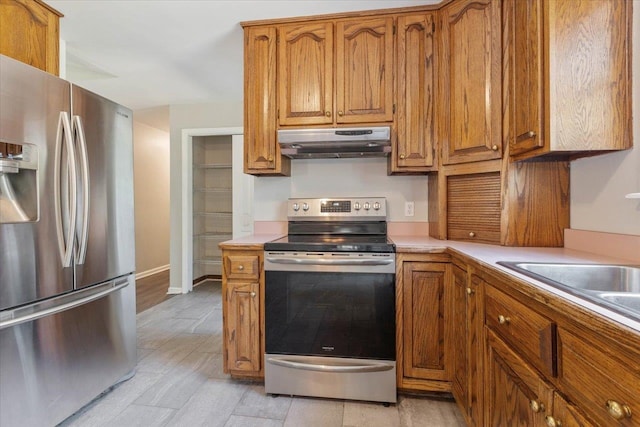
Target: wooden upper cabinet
{"points": [[416, 82], [305, 73], [262, 154], [568, 76], [322, 81], [364, 70], [29, 32], [470, 98]]}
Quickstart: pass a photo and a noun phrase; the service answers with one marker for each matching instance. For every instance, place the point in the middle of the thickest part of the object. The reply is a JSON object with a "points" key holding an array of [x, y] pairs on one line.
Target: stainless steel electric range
{"points": [[330, 302]]}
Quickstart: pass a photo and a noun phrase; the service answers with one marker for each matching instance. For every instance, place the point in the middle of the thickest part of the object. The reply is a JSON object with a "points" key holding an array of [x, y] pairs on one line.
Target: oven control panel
{"points": [[368, 208]]}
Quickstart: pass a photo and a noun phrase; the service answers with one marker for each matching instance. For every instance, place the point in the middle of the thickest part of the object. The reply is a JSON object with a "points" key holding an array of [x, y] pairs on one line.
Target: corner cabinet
{"points": [[470, 75], [362, 56], [423, 322], [29, 32], [242, 311], [415, 144], [568, 76]]}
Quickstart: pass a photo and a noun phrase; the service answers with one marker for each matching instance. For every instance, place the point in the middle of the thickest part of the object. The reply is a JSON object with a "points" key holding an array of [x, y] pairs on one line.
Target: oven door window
{"points": [[330, 314]]}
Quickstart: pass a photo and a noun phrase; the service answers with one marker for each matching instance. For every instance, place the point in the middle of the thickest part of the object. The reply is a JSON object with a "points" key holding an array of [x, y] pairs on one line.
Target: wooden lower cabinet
{"points": [[423, 313], [242, 311]]}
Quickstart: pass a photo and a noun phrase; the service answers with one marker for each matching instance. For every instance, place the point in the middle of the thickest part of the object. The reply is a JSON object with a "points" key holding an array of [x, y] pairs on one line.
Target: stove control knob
{"points": [[305, 207], [367, 206], [376, 206], [356, 206], [296, 207]]}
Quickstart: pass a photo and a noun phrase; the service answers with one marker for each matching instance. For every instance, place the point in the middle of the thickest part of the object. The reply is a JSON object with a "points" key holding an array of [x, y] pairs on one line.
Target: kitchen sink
{"points": [[616, 287]]}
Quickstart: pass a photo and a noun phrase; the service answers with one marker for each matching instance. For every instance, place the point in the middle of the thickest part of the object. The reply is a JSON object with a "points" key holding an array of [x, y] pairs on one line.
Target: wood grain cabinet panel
{"points": [[305, 73], [29, 32], [470, 74], [262, 153], [415, 143], [568, 76], [243, 312], [599, 377]]}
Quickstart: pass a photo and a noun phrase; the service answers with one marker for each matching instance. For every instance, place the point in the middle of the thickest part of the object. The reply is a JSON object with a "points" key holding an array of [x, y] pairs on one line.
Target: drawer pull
{"points": [[494, 147], [469, 291], [552, 422], [253, 294], [536, 406], [503, 320], [472, 234], [241, 267], [617, 410]]}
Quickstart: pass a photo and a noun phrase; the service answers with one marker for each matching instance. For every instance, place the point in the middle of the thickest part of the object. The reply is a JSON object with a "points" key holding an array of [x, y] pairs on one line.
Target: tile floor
{"points": [[179, 382]]}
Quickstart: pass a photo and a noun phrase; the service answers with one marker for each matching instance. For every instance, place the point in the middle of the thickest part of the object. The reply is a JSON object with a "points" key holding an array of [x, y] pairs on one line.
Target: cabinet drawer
{"points": [[242, 266], [473, 207], [596, 380], [527, 331]]}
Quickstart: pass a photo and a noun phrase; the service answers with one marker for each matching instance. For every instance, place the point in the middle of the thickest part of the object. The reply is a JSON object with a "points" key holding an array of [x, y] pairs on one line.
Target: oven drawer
{"points": [[241, 266]]}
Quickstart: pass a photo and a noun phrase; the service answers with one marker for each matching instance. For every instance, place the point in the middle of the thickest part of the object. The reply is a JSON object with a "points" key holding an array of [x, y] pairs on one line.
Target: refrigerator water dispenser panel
{"points": [[18, 183]]}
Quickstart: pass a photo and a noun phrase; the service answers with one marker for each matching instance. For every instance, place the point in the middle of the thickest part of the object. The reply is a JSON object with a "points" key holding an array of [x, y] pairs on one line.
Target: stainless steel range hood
{"points": [[324, 143]]}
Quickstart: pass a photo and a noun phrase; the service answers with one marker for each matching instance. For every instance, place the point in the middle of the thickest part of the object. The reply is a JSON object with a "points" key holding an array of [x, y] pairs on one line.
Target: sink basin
{"points": [[616, 287]]}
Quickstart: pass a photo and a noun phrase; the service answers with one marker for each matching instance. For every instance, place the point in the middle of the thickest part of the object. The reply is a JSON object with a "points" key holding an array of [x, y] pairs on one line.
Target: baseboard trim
{"points": [[174, 290], [151, 272]]}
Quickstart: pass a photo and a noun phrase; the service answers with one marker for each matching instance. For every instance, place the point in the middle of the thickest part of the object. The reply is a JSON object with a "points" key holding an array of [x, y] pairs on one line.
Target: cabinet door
{"points": [[515, 394], [305, 73], [471, 82], [523, 21], [364, 67], [262, 154], [425, 300], [29, 32], [460, 382], [416, 80], [242, 327], [475, 345]]}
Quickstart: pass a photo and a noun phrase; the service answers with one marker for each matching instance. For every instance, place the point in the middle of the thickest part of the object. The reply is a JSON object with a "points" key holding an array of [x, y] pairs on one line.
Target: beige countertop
{"points": [[490, 254]]}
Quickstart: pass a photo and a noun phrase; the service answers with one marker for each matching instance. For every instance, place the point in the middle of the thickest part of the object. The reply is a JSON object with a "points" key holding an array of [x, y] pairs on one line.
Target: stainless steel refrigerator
{"points": [[67, 289]]}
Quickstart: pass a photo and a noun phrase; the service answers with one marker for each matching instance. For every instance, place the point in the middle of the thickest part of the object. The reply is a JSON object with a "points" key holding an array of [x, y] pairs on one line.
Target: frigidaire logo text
{"points": [[120, 113], [328, 348]]}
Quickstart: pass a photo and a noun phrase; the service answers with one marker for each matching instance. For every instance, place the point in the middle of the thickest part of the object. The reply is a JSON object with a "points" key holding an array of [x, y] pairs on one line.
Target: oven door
{"points": [[330, 304]]}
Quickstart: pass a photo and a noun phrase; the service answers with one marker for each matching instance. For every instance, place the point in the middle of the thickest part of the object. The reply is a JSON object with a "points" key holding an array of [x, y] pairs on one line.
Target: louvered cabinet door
{"points": [[473, 207]]}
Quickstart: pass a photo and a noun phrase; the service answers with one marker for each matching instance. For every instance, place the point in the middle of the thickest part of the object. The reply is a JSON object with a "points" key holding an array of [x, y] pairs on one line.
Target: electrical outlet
{"points": [[408, 208]]}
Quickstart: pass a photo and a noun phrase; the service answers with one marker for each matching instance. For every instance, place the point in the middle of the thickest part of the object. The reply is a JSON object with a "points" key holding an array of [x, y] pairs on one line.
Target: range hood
{"points": [[327, 143]]}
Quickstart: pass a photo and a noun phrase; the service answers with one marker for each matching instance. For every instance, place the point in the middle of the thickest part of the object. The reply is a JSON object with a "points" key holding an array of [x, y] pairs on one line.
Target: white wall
{"points": [[191, 117], [336, 178], [151, 192], [599, 184]]}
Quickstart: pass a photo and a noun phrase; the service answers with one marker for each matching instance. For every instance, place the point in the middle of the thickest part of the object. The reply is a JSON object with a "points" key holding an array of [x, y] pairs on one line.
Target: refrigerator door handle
{"points": [[65, 240], [28, 313], [84, 164]]}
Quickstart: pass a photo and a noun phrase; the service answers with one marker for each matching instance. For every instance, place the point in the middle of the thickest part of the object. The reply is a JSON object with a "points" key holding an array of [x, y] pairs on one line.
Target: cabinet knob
{"points": [[270, 159], [494, 147], [617, 410], [340, 113], [504, 320], [241, 267], [253, 294], [327, 113], [536, 406], [552, 422], [525, 136], [469, 291], [401, 156], [472, 234]]}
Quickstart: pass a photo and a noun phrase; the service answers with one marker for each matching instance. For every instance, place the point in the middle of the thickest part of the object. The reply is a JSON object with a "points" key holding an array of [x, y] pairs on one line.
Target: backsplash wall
{"points": [[341, 178]]}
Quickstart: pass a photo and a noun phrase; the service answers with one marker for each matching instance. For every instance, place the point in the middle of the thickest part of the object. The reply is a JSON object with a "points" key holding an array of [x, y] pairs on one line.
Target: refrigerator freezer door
{"points": [[58, 355], [31, 102], [105, 220]]}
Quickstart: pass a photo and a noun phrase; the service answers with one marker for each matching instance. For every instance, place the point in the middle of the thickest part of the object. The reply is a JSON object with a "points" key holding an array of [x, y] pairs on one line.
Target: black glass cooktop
{"points": [[332, 243]]}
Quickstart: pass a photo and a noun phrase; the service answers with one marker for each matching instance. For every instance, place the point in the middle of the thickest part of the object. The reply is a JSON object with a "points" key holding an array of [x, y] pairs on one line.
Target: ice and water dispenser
{"points": [[18, 183]]}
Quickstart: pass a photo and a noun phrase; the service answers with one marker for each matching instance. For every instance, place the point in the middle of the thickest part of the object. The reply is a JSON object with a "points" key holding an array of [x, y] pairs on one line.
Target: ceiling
{"points": [[151, 53]]}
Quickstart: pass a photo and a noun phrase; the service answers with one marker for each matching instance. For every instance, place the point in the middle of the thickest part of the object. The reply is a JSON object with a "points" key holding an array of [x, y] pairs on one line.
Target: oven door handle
{"points": [[367, 367], [324, 261]]}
